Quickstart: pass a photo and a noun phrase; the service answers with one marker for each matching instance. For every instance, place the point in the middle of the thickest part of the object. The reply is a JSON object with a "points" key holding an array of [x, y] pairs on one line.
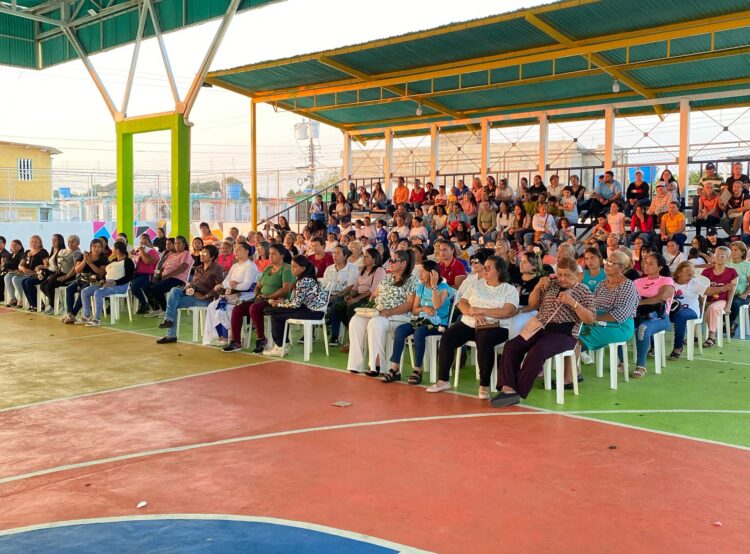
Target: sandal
{"points": [[676, 354], [375, 373], [639, 373], [415, 378], [392, 375], [710, 343]]}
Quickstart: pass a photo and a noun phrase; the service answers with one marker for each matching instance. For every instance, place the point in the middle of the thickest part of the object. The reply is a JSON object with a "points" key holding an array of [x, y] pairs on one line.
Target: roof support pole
{"points": [[684, 158], [388, 163], [609, 138], [134, 61], [209, 58], [253, 166], [543, 145], [92, 72], [164, 56], [181, 177], [124, 181], [485, 164], [347, 166], [434, 153]]}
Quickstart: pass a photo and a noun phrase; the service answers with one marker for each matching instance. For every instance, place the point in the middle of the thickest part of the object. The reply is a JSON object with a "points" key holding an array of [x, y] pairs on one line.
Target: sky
{"points": [[60, 106]]}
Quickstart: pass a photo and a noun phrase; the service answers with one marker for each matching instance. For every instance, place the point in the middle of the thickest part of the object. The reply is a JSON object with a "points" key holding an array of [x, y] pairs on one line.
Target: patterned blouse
{"points": [[391, 296], [309, 293], [565, 320], [621, 303]]}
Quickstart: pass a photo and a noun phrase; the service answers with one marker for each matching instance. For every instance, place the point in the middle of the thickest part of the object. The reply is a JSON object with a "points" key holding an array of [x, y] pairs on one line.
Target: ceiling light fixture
{"points": [[419, 109], [616, 86], [91, 12]]}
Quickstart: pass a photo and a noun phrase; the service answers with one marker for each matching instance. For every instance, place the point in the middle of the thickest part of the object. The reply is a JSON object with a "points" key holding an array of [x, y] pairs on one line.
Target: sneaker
{"points": [[484, 393], [333, 342], [275, 351], [260, 346], [155, 313], [586, 358], [93, 323], [232, 347], [143, 310], [166, 324], [83, 321], [166, 340], [504, 399], [440, 386], [49, 311]]}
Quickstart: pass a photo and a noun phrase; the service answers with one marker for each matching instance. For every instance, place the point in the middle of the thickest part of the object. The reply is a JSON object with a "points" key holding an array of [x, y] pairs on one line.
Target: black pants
{"points": [[459, 334], [709, 223], [159, 290], [518, 372], [49, 285], [280, 316]]}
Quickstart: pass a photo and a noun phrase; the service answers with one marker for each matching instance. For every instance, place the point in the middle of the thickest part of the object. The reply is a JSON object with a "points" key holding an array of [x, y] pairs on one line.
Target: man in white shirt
{"points": [[366, 231]]}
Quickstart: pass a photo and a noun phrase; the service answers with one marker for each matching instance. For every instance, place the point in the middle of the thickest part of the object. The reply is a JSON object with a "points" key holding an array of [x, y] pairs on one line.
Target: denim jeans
{"points": [[680, 319], [99, 294], [178, 299], [74, 304], [735, 310], [138, 287], [420, 341], [28, 284], [644, 330]]}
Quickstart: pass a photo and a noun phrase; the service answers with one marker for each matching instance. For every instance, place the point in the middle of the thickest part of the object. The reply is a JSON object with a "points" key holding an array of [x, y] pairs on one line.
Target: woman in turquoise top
{"points": [[741, 293], [432, 304], [594, 272]]}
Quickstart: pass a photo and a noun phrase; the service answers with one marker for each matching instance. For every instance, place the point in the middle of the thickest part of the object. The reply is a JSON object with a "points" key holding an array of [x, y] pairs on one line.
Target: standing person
{"points": [[238, 286], [721, 292], [145, 259], [563, 304], [89, 271], [486, 311], [656, 290], [308, 301], [319, 257], [174, 273], [688, 290], [33, 259], [199, 292], [119, 273]]}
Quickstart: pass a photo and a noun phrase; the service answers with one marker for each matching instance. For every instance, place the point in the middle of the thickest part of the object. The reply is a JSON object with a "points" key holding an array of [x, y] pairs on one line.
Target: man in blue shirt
{"points": [[608, 190]]}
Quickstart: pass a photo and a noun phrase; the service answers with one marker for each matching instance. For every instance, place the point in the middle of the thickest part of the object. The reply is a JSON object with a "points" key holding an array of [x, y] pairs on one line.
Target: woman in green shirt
{"points": [[742, 267], [275, 282]]}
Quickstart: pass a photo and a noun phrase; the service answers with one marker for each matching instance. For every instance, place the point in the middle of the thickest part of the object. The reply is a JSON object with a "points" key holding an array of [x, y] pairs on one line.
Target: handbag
{"points": [[534, 324]]}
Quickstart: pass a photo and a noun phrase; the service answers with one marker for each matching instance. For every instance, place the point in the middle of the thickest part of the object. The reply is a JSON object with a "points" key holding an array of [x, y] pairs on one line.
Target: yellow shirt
{"points": [[673, 224]]}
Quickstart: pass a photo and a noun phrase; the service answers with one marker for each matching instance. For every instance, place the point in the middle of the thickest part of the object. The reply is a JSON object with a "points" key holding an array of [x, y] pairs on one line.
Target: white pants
{"points": [[374, 331], [214, 317]]}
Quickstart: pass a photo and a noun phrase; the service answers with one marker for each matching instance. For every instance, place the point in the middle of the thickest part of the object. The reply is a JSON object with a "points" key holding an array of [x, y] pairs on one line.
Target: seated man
{"points": [[199, 292], [608, 190]]}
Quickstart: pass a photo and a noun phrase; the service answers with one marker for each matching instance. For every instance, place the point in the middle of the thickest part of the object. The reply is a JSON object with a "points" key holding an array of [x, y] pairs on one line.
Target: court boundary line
{"points": [[223, 517]]}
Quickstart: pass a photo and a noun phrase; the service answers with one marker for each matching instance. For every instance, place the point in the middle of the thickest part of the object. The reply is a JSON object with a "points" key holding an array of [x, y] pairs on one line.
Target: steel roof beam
{"points": [[26, 14], [148, 6]]}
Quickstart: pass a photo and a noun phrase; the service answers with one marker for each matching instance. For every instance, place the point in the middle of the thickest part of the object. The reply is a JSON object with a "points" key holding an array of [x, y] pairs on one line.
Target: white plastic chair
{"points": [[660, 350], [473, 349], [431, 345], [612, 362], [744, 317], [307, 327], [114, 306], [723, 326], [695, 329], [559, 360], [199, 315], [59, 301]]}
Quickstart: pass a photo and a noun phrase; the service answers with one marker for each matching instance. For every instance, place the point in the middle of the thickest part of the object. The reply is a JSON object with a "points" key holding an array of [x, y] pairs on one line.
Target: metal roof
{"points": [[550, 57], [49, 149], [31, 31]]}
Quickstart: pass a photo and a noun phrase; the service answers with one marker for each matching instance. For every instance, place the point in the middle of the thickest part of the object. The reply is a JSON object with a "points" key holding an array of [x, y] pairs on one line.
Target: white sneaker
{"points": [[93, 323], [484, 393], [586, 358], [440, 386], [83, 321], [275, 352]]}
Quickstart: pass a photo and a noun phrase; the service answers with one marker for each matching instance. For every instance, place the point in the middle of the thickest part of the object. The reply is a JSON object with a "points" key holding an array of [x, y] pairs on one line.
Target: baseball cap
{"points": [[711, 233], [710, 165]]}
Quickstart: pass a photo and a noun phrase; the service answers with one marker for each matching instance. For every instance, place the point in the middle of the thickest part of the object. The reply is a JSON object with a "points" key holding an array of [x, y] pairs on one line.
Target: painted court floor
{"points": [[112, 442]]}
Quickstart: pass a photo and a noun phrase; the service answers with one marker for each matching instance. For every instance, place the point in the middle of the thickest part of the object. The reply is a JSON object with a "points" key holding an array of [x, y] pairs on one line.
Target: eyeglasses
{"points": [[608, 262], [488, 268]]}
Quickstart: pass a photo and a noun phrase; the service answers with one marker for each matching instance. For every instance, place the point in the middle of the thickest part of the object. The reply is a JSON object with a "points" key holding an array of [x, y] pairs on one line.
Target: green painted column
{"points": [[124, 182], [180, 177]]}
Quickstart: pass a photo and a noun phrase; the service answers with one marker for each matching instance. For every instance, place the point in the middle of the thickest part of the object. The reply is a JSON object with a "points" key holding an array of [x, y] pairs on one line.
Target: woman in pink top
{"points": [[656, 290], [145, 257], [226, 256], [174, 273], [721, 292]]}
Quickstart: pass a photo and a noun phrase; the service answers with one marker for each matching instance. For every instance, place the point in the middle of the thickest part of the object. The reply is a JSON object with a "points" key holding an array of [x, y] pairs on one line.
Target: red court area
{"points": [[430, 471]]}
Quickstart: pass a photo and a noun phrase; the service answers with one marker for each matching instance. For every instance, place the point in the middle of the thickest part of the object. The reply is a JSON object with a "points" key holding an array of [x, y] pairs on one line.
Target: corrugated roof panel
{"points": [[301, 73], [506, 36], [16, 27], [730, 39], [571, 64], [647, 52], [691, 45], [55, 50], [536, 69], [703, 71], [380, 112], [16, 52]]}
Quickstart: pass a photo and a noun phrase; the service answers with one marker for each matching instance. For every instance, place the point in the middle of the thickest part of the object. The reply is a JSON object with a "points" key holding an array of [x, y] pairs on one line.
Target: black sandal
{"points": [[415, 378], [375, 373], [392, 375]]}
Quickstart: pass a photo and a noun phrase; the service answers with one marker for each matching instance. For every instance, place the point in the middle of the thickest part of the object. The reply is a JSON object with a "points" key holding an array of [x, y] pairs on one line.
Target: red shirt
{"points": [[449, 272], [322, 264], [417, 196]]}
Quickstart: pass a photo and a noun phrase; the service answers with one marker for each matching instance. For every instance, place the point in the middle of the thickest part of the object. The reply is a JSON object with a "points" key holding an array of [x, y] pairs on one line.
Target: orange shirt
{"points": [[400, 195], [673, 224]]}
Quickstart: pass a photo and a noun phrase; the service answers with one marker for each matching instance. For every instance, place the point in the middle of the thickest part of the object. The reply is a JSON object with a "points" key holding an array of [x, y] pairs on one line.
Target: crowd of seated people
{"points": [[487, 263]]}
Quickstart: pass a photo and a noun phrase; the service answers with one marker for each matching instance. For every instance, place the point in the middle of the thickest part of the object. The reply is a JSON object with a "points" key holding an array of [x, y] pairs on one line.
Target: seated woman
{"points": [[378, 200], [238, 286], [477, 270], [562, 303], [274, 283], [199, 292], [34, 258], [261, 256], [119, 273], [688, 290], [308, 301], [720, 293], [365, 284], [145, 258], [89, 271], [432, 304], [485, 313], [64, 272], [9, 265], [616, 301], [741, 293], [674, 255], [594, 272], [174, 273], [656, 290], [393, 300], [226, 255]]}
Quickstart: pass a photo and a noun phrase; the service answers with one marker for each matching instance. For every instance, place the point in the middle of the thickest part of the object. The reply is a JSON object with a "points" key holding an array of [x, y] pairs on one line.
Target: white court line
{"points": [[34, 343], [670, 411], [721, 361], [224, 517]]}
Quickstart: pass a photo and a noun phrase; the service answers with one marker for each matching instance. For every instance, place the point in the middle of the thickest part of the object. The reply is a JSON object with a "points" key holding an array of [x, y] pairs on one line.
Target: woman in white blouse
{"points": [[486, 311], [238, 286], [341, 274]]}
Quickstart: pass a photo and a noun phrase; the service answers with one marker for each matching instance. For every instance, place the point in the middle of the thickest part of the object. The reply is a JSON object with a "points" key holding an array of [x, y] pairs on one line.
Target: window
{"points": [[24, 169]]}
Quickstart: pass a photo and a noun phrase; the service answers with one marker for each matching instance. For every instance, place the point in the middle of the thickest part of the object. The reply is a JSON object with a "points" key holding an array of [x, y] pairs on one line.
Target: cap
{"points": [[660, 184], [710, 165], [639, 172], [711, 233]]}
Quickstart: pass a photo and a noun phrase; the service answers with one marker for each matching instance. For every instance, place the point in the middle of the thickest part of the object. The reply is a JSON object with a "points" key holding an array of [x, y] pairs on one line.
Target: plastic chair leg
{"points": [[548, 374], [613, 366], [458, 367], [325, 337], [560, 377], [626, 372], [196, 324]]}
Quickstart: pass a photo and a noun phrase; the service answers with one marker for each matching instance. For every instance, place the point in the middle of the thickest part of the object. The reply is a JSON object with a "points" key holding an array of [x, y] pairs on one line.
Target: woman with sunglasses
{"points": [[485, 313], [616, 301]]}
